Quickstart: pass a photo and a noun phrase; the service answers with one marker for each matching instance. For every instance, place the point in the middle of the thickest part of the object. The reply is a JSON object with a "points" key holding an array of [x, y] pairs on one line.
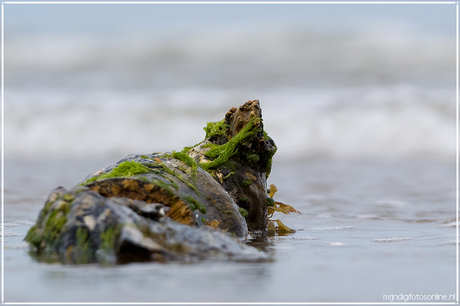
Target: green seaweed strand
{"points": [[221, 153], [216, 128], [83, 253], [124, 169], [195, 204], [180, 177], [243, 212], [186, 159], [109, 238]]}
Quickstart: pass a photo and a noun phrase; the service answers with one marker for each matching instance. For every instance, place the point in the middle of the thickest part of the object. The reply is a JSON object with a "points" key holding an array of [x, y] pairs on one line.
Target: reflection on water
{"points": [[356, 233]]}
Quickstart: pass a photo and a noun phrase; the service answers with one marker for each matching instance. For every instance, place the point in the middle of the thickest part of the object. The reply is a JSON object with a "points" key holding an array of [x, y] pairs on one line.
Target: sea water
{"points": [[366, 229], [360, 100]]}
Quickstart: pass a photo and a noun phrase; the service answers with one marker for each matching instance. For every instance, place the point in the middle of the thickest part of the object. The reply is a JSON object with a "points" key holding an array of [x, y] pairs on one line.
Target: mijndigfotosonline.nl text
{"points": [[411, 297]]}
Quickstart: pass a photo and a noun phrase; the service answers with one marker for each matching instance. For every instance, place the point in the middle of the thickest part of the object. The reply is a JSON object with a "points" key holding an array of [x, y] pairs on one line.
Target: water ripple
{"points": [[10, 234], [393, 239], [304, 238], [327, 228]]}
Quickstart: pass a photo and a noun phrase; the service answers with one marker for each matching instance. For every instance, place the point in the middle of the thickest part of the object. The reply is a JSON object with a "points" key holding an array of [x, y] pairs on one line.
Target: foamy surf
{"points": [[304, 123], [383, 91]]}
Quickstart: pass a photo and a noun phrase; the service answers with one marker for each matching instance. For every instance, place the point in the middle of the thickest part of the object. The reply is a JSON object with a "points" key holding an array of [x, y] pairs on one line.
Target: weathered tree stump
{"points": [[194, 204]]}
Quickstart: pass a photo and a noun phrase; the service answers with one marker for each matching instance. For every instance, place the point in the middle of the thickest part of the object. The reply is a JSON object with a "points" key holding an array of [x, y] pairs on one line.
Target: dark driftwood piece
{"points": [[195, 204]]}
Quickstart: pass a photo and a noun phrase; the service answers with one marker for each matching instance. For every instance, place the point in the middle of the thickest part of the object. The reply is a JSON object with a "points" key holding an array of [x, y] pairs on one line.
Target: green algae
{"points": [[268, 167], [68, 197], [216, 128], [172, 183], [33, 237], [228, 175], [195, 204], [82, 249], [124, 169], [246, 182], [109, 238], [187, 150], [253, 158], [160, 164], [53, 226], [165, 186], [180, 177], [81, 237], [243, 212], [270, 202], [51, 221], [187, 183], [186, 159], [220, 154]]}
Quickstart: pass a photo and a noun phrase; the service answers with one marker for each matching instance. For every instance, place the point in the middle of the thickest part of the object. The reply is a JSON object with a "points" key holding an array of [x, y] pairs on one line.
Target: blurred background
{"points": [[359, 98], [347, 81]]}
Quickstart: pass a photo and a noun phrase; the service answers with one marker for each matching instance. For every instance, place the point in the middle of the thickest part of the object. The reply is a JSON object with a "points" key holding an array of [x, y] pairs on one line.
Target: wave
{"points": [[389, 122], [368, 93]]}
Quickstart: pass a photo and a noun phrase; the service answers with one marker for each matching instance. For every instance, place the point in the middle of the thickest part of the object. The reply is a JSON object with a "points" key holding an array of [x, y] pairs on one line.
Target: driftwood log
{"points": [[199, 203]]}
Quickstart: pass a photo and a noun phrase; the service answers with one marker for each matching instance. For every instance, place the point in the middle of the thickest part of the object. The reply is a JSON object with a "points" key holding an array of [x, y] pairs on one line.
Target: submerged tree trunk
{"points": [[180, 205]]}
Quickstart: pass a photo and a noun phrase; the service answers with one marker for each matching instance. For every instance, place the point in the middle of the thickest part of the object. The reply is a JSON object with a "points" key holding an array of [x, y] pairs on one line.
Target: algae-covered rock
{"points": [[192, 196], [195, 204], [238, 153], [82, 226]]}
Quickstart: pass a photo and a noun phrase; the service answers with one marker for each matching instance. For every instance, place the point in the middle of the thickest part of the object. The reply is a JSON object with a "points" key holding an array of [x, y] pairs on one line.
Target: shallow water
{"points": [[367, 229], [343, 82]]}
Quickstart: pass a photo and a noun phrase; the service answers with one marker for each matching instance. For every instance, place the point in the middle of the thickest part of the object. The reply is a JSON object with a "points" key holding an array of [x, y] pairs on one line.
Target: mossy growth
{"points": [[195, 204], [253, 158], [109, 238], [246, 182], [268, 166], [53, 217], [169, 179], [124, 169], [82, 249], [53, 226], [165, 186], [243, 212], [166, 169], [220, 154], [216, 128], [33, 236], [186, 159], [270, 202], [228, 175]]}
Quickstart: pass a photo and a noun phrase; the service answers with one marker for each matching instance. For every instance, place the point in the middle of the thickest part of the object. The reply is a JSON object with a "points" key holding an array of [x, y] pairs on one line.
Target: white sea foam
{"points": [[379, 94], [303, 238], [328, 228], [56, 124], [336, 243], [392, 239], [18, 223], [367, 216], [450, 224], [9, 234], [449, 242], [393, 203]]}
